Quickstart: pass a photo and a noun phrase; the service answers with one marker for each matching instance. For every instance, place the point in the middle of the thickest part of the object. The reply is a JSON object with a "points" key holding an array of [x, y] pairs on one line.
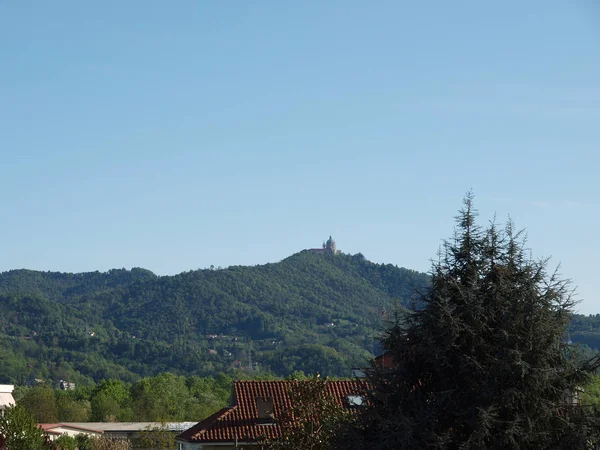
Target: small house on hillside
{"points": [[66, 385], [254, 405]]}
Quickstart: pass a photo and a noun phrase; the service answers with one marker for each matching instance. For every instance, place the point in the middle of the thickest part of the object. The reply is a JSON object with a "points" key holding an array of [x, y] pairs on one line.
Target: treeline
{"points": [[162, 398]]}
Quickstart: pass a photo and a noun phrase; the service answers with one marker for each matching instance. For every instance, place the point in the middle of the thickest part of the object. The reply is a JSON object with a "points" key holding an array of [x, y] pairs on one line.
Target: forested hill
{"points": [[310, 312]]}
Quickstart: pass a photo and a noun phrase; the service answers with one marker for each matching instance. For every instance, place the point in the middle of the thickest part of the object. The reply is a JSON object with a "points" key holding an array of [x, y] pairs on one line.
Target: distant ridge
{"points": [[313, 311]]}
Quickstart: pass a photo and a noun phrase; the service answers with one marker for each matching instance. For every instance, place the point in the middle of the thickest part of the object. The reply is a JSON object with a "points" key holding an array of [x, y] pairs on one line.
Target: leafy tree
{"points": [[160, 398], [483, 364], [19, 430], [206, 395], [298, 375], [110, 401], [313, 420], [83, 441], [71, 410], [591, 392], [65, 442], [41, 403], [105, 408]]}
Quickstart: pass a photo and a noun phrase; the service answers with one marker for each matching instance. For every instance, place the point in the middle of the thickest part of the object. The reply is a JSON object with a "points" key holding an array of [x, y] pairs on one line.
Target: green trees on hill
{"points": [[484, 364], [312, 312]]}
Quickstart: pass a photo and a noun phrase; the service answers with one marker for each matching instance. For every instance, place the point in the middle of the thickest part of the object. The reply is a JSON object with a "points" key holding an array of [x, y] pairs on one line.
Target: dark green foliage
{"points": [[111, 401], [65, 442], [70, 409], [312, 312], [483, 364], [41, 403], [84, 442], [160, 398], [311, 358]]}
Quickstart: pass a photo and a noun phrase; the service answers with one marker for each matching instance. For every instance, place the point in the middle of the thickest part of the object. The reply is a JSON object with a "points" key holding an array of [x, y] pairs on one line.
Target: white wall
{"points": [[73, 432], [6, 398]]}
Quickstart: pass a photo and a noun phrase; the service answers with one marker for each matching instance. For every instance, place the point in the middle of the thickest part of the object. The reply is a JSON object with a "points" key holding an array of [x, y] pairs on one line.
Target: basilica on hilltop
{"points": [[328, 247]]}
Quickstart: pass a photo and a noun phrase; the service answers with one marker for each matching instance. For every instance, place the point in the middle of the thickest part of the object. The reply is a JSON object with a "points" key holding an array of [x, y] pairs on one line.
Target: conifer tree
{"points": [[482, 363]]}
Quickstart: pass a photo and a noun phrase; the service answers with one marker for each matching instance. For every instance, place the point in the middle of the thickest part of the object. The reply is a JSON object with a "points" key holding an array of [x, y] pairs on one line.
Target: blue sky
{"points": [[179, 135]]}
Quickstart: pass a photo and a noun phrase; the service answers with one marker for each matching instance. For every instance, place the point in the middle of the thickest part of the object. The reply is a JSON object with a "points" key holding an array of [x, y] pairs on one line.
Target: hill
{"points": [[311, 312]]}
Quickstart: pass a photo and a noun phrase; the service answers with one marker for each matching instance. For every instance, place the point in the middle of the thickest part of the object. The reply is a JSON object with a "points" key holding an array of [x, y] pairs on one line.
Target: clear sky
{"points": [[178, 135]]}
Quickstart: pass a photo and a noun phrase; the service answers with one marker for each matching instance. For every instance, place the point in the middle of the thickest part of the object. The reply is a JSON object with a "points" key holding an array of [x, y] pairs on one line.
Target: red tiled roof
{"points": [[240, 421]]}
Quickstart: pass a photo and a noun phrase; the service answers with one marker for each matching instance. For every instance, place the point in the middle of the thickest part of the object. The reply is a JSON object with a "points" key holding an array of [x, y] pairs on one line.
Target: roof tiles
{"points": [[240, 421]]}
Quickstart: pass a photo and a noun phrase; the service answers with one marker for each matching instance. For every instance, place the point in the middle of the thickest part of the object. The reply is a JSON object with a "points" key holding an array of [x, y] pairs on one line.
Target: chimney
{"points": [[264, 405]]}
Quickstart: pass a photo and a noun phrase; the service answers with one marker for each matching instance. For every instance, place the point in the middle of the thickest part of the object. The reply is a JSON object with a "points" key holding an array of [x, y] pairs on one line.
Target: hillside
{"points": [[311, 312]]}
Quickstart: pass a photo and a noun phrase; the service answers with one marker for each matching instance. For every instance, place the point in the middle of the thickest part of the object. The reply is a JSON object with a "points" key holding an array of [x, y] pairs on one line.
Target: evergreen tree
{"points": [[483, 363]]}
